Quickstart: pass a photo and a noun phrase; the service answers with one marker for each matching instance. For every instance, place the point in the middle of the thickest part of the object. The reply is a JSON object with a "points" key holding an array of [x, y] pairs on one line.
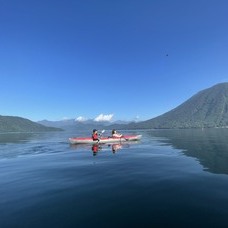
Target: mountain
{"points": [[19, 124], [60, 124], [207, 109]]}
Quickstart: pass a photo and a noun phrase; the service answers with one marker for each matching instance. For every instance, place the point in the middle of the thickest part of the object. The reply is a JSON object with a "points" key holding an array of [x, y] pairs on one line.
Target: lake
{"points": [[171, 178]]}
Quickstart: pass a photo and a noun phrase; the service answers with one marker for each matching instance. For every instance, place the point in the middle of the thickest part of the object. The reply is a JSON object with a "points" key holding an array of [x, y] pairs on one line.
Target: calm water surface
{"points": [[175, 178]]}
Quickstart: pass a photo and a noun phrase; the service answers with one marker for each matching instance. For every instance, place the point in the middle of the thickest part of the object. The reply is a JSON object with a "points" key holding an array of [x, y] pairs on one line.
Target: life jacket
{"points": [[95, 137]]}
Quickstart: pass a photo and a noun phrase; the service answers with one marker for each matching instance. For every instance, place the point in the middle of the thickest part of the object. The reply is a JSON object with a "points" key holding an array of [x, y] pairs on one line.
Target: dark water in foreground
{"points": [[175, 178]]}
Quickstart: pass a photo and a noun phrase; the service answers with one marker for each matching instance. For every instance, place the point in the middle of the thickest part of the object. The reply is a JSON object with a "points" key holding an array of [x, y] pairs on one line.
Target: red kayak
{"points": [[89, 140]]}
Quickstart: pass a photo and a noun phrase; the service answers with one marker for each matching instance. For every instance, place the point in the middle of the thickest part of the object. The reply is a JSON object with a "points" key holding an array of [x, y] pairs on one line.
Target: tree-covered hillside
{"points": [[18, 124], [208, 108]]}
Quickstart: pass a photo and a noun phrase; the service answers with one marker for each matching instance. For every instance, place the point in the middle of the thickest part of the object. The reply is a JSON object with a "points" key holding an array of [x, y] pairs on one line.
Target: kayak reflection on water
{"points": [[95, 148], [114, 147], [98, 147]]}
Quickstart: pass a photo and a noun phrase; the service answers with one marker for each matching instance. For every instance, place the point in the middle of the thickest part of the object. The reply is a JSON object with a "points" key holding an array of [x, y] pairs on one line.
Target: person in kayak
{"points": [[95, 136], [115, 134]]}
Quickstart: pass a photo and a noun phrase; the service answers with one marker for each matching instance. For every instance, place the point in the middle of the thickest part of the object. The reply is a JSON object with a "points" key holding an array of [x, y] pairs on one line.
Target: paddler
{"points": [[115, 134], [95, 136]]}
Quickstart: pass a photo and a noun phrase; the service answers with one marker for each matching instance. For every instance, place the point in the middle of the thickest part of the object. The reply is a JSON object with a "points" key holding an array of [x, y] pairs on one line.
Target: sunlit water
{"points": [[171, 178]]}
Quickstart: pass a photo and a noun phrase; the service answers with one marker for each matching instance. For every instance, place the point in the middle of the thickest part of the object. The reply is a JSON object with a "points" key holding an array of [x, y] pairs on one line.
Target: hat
{"points": [[94, 130]]}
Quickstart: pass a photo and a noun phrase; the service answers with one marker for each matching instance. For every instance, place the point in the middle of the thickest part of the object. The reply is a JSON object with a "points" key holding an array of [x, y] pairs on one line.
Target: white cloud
{"points": [[80, 119], [103, 117]]}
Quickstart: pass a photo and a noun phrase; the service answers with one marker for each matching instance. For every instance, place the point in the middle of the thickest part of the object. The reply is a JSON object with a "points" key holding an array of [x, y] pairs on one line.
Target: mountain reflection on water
{"points": [[15, 137], [209, 146]]}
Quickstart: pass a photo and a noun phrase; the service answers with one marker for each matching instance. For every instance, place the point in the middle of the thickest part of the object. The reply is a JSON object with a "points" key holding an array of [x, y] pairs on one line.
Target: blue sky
{"points": [[124, 59]]}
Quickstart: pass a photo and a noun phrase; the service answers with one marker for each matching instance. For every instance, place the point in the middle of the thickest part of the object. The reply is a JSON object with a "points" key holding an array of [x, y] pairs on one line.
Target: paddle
{"points": [[100, 135], [124, 138]]}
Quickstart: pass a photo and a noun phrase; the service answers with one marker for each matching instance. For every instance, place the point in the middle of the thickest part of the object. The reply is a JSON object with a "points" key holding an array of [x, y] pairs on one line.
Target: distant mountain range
{"points": [[206, 109], [80, 125], [18, 124]]}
